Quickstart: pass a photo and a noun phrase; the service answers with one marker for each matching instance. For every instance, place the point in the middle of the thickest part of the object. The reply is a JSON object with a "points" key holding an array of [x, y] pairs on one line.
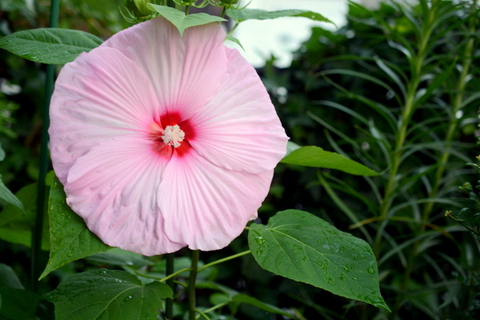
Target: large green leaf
{"points": [[18, 304], [300, 246], [16, 224], [181, 20], [70, 238], [15, 301], [312, 156], [108, 294], [258, 14], [49, 45]]}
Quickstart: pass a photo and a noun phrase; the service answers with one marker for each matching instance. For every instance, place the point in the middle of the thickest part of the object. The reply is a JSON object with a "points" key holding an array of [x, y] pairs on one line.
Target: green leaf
{"points": [[70, 238], [229, 295], [234, 40], [18, 304], [258, 14], [16, 224], [49, 45], [2, 153], [181, 20], [108, 294], [437, 81], [8, 278], [302, 247], [311, 156], [7, 195]]}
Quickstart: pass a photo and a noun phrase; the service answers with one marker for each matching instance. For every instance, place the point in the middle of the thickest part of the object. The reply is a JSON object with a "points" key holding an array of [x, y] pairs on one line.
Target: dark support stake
{"points": [[36, 266]]}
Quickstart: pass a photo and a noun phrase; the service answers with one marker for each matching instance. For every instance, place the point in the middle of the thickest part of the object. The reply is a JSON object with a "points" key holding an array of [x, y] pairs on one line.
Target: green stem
{"points": [[174, 274], [192, 285], [407, 113], [224, 10], [233, 29], [36, 245], [456, 105], [218, 306], [427, 210], [224, 260]]}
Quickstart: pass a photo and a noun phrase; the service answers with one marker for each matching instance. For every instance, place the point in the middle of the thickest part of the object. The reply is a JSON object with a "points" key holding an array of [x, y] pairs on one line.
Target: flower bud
{"points": [[138, 7]]}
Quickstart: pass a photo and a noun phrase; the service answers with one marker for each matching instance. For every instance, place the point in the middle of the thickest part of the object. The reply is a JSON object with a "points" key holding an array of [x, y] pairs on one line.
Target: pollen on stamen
{"points": [[173, 135]]}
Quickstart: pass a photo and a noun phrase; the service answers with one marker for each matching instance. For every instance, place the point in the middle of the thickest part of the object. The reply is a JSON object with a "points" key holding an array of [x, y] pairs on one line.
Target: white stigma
{"points": [[173, 135]]}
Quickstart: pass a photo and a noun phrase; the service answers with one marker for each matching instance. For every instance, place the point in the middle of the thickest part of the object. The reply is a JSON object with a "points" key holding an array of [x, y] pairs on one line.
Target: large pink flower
{"points": [[163, 141]]}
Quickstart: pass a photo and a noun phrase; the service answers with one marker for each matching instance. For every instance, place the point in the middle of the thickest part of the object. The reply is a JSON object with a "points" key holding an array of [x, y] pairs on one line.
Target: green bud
{"points": [[138, 7]]}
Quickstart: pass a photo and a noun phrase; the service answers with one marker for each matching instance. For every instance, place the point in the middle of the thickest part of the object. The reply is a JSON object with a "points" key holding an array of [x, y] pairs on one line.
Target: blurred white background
{"points": [[282, 36]]}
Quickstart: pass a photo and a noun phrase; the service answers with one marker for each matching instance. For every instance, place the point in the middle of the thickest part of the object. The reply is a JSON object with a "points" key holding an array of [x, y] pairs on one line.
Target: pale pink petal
{"points": [[206, 206], [239, 129], [102, 94], [185, 71], [114, 188]]}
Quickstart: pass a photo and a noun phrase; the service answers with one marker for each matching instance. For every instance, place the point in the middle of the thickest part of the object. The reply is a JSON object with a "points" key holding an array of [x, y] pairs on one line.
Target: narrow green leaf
{"points": [[234, 40], [108, 294], [258, 14], [7, 195], [311, 156], [302, 247], [243, 298], [70, 238], [361, 75], [18, 304], [392, 74], [181, 20], [49, 45], [438, 80], [16, 224], [8, 278]]}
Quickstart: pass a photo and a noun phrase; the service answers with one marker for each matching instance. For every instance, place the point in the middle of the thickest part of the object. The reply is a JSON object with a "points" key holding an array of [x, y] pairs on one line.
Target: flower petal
{"points": [[206, 206], [114, 189], [185, 71], [95, 100], [239, 129]]}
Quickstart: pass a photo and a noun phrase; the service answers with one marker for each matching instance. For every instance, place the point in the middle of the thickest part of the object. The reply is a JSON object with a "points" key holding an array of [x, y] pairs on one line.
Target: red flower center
{"points": [[170, 135]]}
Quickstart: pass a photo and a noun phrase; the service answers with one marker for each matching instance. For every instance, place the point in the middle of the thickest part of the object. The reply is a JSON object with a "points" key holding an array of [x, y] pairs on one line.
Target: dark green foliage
{"points": [[395, 89]]}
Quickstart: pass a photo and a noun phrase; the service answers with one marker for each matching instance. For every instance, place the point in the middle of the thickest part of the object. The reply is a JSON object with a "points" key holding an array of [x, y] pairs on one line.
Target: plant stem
{"points": [[407, 113], [456, 105], [36, 244], [192, 285], [224, 260], [169, 270]]}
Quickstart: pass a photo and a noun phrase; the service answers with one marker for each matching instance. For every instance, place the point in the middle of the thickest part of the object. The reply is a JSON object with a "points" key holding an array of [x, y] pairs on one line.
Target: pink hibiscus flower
{"points": [[163, 141]]}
